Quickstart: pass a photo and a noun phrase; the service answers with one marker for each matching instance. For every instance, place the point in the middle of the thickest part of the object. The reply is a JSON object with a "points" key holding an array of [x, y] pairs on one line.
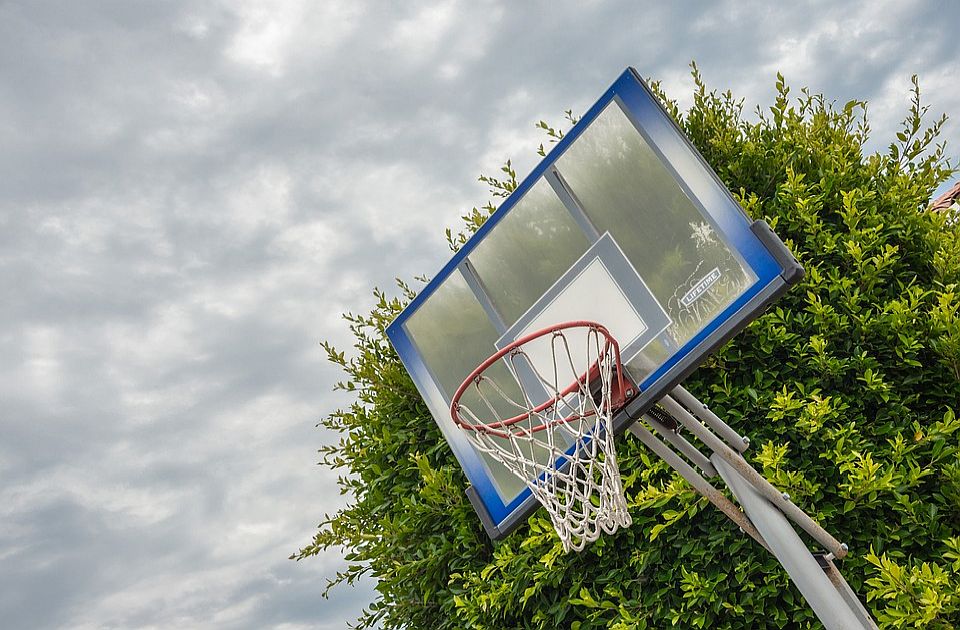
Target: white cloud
{"points": [[261, 200], [273, 32], [389, 202], [418, 37], [195, 26], [42, 366], [517, 139]]}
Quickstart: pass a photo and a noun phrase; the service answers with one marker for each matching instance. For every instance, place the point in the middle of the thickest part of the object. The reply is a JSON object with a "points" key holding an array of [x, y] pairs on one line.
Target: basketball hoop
{"points": [[553, 434]]}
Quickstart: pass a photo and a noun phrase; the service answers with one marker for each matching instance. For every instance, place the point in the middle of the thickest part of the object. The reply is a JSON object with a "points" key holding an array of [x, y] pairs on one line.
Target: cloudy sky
{"points": [[192, 192]]}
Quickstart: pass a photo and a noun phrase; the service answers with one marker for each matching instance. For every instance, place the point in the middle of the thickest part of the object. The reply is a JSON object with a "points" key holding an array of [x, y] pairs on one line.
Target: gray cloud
{"points": [[192, 193]]}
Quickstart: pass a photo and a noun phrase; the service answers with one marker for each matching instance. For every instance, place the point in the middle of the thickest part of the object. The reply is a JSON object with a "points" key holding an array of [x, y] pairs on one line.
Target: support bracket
{"points": [[766, 512]]}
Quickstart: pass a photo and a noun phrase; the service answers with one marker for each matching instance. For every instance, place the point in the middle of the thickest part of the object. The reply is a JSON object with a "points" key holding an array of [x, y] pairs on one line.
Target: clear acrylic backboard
{"points": [[624, 224]]}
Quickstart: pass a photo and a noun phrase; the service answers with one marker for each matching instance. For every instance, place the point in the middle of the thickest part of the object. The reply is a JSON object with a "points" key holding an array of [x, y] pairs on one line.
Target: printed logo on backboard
{"points": [[700, 287]]}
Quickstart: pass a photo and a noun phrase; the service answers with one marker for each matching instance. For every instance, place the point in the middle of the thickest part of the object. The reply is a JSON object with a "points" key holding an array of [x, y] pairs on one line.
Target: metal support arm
{"points": [[699, 484], [735, 459], [766, 510]]}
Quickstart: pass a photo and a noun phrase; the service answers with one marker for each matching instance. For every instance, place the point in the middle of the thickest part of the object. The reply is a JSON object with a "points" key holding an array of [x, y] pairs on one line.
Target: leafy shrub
{"points": [[848, 388]]}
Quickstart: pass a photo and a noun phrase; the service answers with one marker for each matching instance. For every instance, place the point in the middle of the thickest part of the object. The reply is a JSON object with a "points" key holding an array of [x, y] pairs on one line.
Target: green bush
{"points": [[848, 388]]}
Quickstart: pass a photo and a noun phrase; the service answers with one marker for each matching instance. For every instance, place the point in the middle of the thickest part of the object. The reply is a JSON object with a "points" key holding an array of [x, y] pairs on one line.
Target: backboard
{"points": [[624, 224]]}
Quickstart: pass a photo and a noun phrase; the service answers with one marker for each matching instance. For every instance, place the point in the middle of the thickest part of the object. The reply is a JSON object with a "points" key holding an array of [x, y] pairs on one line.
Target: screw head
{"points": [[786, 496], [746, 441], [844, 547]]}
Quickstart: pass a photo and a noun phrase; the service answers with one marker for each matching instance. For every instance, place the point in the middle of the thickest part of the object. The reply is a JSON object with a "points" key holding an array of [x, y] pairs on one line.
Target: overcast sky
{"points": [[191, 193]]}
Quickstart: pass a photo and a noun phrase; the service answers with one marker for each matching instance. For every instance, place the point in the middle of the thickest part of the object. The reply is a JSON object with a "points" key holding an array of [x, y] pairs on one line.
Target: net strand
{"points": [[563, 452]]}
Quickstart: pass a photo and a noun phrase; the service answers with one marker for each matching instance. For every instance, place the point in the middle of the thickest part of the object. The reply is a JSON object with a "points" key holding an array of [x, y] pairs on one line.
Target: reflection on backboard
{"points": [[622, 224]]}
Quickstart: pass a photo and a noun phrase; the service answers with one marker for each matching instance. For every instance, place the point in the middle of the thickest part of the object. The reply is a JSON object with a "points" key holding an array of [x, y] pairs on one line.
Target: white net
{"points": [[555, 432]]}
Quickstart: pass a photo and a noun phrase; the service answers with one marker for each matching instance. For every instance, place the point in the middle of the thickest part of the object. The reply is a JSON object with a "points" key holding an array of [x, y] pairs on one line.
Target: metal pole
{"points": [[826, 600], [735, 459], [699, 484], [833, 574], [680, 443], [711, 419]]}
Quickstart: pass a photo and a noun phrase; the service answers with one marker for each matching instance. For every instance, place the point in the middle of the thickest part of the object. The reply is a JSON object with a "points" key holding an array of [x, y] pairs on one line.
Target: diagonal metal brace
{"points": [[765, 509], [764, 487], [694, 478]]}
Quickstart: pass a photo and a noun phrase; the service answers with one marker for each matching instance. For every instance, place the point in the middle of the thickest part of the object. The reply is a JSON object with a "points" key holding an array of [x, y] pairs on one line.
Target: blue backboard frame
{"points": [[760, 249]]}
